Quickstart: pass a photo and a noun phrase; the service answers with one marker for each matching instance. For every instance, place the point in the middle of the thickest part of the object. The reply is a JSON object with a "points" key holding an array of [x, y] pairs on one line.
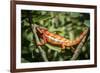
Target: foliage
{"points": [[66, 24]]}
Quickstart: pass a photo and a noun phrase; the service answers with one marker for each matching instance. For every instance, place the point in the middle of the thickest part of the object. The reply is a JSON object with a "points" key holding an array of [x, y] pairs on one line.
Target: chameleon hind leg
{"points": [[73, 49]]}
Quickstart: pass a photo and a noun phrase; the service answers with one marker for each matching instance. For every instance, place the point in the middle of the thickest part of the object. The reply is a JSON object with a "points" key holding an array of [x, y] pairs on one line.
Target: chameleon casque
{"points": [[48, 37]]}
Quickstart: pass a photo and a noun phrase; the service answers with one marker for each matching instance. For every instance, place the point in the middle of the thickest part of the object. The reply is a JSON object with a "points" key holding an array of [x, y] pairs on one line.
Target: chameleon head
{"points": [[41, 29]]}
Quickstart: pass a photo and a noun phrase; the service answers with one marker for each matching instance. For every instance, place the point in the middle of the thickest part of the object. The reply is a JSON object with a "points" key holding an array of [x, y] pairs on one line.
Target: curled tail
{"points": [[78, 39]]}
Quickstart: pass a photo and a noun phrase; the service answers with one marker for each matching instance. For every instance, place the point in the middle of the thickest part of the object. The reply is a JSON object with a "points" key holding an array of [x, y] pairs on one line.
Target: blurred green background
{"points": [[66, 24]]}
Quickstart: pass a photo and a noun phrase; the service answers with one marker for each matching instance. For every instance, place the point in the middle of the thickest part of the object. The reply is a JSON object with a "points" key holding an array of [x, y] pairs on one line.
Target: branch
{"points": [[78, 49], [37, 40]]}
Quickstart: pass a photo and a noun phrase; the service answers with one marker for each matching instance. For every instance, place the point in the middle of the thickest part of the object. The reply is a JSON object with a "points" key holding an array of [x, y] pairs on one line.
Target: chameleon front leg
{"points": [[63, 47], [43, 41]]}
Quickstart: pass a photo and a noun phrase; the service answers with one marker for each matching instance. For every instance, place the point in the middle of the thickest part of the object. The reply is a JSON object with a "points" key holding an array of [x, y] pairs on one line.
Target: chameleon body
{"points": [[55, 39]]}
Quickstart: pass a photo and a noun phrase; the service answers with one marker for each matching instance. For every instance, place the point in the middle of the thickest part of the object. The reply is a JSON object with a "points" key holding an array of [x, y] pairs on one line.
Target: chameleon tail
{"points": [[78, 39]]}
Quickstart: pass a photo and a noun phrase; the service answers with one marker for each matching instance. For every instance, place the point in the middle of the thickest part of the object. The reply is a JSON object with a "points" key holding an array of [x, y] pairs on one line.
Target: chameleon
{"points": [[55, 39]]}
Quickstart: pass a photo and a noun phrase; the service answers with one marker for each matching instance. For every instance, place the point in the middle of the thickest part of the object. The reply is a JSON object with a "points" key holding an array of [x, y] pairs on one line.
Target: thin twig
{"points": [[78, 49]]}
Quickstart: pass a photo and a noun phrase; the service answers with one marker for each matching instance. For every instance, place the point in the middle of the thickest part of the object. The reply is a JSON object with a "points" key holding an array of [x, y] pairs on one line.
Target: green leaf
{"points": [[87, 22], [74, 14], [55, 48]]}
